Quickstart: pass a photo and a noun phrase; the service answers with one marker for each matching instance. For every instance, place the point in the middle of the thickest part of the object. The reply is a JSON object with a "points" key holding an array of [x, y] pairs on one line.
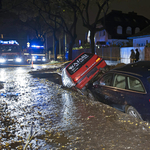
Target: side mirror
{"points": [[96, 84]]}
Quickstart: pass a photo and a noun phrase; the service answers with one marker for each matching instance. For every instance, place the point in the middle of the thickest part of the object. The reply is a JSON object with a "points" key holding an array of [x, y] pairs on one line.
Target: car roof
{"points": [[140, 68]]}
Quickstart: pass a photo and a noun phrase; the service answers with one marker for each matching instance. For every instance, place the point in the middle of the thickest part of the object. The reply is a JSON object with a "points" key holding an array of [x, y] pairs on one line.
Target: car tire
{"points": [[133, 112]]}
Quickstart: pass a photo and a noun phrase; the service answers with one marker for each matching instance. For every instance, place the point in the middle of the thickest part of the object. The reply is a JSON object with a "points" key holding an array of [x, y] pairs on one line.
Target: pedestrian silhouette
{"points": [[137, 54], [132, 56]]}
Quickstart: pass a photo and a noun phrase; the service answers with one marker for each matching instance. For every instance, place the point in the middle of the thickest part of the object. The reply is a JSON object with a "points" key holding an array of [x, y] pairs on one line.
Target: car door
{"points": [[111, 90], [137, 96], [102, 90], [119, 91]]}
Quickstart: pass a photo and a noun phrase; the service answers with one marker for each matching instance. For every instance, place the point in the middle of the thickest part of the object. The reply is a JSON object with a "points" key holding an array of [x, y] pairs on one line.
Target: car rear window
{"points": [[78, 63]]}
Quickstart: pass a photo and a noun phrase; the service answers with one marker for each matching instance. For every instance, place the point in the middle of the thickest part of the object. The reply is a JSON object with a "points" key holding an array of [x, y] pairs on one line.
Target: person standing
{"points": [[137, 54], [132, 56]]}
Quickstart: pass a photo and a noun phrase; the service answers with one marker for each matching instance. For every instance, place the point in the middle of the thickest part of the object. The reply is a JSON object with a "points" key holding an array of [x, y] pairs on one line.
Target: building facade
{"points": [[117, 27], [141, 38]]}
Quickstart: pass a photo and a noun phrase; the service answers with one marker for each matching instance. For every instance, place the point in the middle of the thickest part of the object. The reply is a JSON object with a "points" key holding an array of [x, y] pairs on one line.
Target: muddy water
{"points": [[37, 113]]}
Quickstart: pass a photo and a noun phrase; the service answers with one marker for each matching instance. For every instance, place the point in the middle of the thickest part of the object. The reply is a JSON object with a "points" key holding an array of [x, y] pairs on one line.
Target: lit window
{"points": [[129, 30], [137, 29], [88, 37], [119, 30]]}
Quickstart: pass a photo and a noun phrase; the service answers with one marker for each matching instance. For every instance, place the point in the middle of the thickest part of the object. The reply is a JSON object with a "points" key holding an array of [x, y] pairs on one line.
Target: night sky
{"points": [[141, 7]]}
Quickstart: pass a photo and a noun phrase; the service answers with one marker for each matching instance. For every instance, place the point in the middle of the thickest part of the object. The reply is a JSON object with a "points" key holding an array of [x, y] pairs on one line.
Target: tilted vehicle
{"points": [[126, 88], [82, 70]]}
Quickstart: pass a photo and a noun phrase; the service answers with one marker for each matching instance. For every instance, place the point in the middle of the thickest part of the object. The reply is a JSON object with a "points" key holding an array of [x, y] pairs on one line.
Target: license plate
{"points": [[10, 59]]}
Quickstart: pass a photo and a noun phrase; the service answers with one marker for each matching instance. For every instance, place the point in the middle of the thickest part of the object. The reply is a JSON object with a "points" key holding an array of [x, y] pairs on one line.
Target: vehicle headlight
{"points": [[33, 58], [18, 59], [2, 60], [43, 59]]}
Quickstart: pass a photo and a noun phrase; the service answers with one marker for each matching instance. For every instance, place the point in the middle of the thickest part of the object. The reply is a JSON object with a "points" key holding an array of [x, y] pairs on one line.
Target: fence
{"points": [[108, 53], [118, 54], [147, 53]]}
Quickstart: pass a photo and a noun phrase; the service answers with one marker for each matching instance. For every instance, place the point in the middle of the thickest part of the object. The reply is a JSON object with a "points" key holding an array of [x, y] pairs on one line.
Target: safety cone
{"points": [[32, 65]]}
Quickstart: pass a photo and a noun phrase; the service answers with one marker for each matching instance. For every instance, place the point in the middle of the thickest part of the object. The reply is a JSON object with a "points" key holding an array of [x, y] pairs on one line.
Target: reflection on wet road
{"points": [[37, 106], [37, 113]]}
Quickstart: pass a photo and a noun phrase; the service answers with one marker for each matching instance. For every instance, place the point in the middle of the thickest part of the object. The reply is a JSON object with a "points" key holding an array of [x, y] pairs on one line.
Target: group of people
{"points": [[134, 57]]}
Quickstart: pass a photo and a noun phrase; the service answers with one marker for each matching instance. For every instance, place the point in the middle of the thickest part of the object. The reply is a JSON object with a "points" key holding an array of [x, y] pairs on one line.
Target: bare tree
{"points": [[60, 15], [28, 17], [91, 20]]}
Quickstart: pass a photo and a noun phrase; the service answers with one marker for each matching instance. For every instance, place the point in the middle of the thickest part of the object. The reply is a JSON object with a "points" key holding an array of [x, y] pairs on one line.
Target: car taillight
{"points": [[98, 59], [76, 79]]}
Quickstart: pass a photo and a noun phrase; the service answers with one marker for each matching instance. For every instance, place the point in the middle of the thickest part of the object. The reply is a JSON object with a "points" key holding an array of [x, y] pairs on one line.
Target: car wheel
{"points": [[133, 112]]}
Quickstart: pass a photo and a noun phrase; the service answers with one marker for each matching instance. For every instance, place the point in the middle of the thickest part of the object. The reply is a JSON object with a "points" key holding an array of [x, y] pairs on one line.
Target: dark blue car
{"points": [[126, 88]]}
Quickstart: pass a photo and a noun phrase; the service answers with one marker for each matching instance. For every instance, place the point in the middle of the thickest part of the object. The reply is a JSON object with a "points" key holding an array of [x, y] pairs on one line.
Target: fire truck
{"points": [[10, 52], [34, 53]]}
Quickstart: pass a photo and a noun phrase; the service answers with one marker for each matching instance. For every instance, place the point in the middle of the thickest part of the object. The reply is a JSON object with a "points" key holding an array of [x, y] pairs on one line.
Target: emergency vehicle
{"points": [[35, 54], [10, 52]]}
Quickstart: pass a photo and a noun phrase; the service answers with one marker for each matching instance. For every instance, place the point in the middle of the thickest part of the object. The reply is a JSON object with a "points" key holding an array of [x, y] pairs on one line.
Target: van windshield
{"points": [[78, 63], [9, 48]]}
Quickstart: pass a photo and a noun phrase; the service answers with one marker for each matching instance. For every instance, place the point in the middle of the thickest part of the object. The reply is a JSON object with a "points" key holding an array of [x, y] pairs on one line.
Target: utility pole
{"points": [[53, 46]]}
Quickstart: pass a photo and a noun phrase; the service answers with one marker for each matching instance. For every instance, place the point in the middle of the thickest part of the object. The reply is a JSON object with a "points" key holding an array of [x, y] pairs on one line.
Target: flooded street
{"points": [[37, 114]]}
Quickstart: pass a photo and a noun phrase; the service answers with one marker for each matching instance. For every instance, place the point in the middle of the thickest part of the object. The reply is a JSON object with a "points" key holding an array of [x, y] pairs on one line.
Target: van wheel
{"points": [[133, 112]]}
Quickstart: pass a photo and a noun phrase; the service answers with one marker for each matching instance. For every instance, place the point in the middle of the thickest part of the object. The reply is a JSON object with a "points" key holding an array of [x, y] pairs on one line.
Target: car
{"points": [[82, 70], [126, 88]]}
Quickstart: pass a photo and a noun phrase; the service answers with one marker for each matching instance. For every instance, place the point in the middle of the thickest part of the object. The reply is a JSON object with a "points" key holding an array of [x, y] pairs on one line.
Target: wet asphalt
{"points": [[37, 113]]}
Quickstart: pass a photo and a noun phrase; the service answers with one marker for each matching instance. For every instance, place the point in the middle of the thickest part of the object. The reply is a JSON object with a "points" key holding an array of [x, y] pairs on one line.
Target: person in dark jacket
{"points": [[137, 54], [132, 56]]}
